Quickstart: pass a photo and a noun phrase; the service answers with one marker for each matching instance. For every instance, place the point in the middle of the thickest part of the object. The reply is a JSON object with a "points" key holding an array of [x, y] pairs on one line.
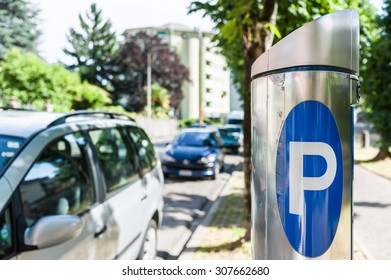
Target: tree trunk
{"points": [[383, 154], [247, 141], [256, 40]]}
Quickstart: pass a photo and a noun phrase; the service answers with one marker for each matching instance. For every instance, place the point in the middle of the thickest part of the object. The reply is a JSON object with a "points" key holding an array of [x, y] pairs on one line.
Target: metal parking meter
{"points": [[303, 89]]}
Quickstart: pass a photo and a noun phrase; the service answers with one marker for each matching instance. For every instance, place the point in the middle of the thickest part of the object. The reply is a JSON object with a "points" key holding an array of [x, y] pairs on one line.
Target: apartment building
{"points": [[209, 91]]}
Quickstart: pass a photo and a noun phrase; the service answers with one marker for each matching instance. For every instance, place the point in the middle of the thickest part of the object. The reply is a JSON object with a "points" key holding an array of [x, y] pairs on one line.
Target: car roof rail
{"points": [[98, 114]]}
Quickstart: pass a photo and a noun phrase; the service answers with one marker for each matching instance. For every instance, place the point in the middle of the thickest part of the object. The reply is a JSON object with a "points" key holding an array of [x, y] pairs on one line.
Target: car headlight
{"points": [[167, 158], [208, 159]]}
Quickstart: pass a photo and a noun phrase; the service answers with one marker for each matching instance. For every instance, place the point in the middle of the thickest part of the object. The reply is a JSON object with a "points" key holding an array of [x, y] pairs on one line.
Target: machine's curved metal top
{"points": [[331, 40]]}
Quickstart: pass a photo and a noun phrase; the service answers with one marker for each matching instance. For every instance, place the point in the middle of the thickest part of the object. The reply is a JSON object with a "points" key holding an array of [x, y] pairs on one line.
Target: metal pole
{"points": [[200, 78], [149, 89]]}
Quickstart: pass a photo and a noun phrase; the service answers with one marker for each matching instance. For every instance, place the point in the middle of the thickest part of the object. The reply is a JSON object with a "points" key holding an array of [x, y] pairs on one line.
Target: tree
{"points": [[160, 101], [376, 88], [18, 26], [167, 70], [93, 49], [245, 30], [29, 80]]}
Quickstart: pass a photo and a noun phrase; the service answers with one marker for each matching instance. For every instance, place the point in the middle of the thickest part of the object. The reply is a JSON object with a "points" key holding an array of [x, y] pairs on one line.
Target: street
{"points": [[372, 214], [186, 203]]}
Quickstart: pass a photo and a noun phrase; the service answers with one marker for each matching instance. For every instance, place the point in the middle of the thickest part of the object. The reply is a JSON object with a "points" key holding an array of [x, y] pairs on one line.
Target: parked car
{"points": [[231, 137], [84, 185], [195, 152], [236, 130], [235, 117], [199, 125]]}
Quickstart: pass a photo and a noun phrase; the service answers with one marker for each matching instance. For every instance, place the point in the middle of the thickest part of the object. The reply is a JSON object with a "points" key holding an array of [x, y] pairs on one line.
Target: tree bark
{"points": [[256, 40], [383, 154]]}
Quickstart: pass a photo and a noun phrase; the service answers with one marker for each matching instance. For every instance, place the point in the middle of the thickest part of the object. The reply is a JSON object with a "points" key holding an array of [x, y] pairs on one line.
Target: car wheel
{"points": [[149, 248]]}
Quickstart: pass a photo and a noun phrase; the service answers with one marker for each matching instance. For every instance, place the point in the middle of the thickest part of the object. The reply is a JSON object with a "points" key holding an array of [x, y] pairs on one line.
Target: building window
{"points": [[208, 62], [208, 104], [208, 77], [208, 90]]}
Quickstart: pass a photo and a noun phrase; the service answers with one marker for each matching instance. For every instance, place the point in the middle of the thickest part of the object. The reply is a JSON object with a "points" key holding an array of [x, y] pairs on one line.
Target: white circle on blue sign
{"points": [[309, 178]]}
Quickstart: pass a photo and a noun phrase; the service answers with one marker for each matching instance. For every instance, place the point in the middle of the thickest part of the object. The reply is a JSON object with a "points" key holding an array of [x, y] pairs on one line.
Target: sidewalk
{"points": [[372, 213], [225, 224]]}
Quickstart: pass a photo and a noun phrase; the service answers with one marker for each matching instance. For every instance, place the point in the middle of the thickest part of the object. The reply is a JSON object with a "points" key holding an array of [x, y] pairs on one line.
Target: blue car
{"points": [[231, 137], [195, 152]]}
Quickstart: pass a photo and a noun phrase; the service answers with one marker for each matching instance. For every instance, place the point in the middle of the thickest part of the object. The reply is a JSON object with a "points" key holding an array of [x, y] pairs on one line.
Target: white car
{"points": [[84, 185]]}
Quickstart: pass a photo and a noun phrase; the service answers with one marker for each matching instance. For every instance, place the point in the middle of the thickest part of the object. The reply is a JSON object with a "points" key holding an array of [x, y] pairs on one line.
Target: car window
{"points": [[6, 234], [8, 147], [196, 139], [234, 121], [59, 181], [145, 149], [117, 160]]}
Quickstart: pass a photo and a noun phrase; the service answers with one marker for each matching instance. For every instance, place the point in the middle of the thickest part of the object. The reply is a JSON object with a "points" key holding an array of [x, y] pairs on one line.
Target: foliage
{"points": [[33, 82], [293, 14], [187, 122], [18, 26], [376, 88], [160, 101], [93, 49], [87, 96], [167, 71]]}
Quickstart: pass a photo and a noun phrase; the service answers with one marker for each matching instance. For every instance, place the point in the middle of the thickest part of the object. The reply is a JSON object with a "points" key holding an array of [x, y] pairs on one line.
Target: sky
{"points": [[58, 16]]}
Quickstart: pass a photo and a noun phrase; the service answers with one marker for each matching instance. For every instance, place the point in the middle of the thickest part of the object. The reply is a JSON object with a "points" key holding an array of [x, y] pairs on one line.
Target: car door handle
{"points": [[99, 233], [144, 197]]}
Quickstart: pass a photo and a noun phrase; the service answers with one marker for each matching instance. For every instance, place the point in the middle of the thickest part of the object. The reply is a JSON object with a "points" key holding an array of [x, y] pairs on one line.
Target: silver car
{"points": [[84, 185]]}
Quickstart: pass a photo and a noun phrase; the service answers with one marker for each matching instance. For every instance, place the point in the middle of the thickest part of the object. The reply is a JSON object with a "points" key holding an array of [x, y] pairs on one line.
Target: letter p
{"points": [[297, 182]]}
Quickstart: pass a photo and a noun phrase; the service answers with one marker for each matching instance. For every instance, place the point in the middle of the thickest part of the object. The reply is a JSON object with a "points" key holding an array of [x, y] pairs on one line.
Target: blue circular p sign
{"points": [[309, 178]]}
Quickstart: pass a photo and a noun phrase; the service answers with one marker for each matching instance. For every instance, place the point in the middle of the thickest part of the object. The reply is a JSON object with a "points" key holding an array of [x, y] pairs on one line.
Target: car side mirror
{"points": [[53, 230]]}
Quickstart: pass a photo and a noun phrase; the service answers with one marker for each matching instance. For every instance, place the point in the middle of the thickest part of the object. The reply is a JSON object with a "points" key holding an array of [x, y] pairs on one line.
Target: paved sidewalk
{"points": [[360, 252], [372, 208], [222, 219]]}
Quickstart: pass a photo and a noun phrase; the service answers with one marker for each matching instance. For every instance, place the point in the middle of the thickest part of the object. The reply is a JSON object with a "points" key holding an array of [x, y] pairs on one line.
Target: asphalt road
{"points": [[186, 204], [372, 214]]}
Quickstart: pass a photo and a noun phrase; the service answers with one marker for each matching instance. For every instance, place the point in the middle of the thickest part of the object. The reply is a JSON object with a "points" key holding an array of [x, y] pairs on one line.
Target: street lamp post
{"points": [[149, 76], [149, 89], [200, 78]]}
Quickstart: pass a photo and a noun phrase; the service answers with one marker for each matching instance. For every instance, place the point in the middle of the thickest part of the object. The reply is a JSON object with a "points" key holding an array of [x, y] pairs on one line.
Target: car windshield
{"points": [[8, 146], [230, 130], [197, 139], [225, 132], [235, 121]]}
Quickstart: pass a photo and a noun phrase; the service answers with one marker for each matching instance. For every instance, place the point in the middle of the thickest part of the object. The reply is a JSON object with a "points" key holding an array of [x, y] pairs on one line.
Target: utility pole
{"points": [[201, 77]]}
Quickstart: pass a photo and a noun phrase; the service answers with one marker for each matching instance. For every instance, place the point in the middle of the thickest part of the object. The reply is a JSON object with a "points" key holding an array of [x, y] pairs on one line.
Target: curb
{"points": [[362, 249], [201, 228]]}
